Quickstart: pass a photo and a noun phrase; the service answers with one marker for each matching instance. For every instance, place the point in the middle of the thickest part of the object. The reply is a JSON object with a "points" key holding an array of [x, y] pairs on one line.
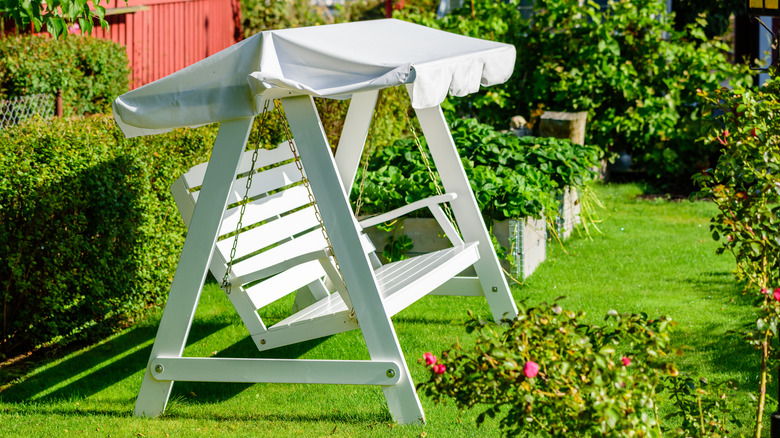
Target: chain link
{"points": [[226, 285], [305, 181], [366, 157], [447, 210]]}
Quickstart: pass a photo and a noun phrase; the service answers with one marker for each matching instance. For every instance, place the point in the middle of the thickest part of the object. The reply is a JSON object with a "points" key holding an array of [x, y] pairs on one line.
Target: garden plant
{"points": [[512, 177], [549, 372], [625, 65], [745, 185]]}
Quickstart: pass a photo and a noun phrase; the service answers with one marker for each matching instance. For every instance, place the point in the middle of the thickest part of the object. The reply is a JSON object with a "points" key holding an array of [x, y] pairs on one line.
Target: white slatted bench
{"points": [[281, 250]]}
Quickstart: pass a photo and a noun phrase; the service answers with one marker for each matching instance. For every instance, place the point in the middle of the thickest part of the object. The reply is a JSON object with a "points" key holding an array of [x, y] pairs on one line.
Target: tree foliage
{"points": [[56, 15]]}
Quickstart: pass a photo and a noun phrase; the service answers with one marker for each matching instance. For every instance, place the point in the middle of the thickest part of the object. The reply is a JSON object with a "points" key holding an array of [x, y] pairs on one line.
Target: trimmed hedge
{"points": [[89, 233], [90, 71]]}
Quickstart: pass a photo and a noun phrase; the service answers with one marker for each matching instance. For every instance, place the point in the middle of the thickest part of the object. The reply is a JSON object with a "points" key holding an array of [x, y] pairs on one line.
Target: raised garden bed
{"points": [[569, 210]]}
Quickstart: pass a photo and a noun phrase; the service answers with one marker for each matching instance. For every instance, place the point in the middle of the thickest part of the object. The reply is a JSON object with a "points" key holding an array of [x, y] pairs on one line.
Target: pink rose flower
{"points": [[764, 291], [439, 368], [626, 361], [430, 359], [531, 369], [776, 294]]}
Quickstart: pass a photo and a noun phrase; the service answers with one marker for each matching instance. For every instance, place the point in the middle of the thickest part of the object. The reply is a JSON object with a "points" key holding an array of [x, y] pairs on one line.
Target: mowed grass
{"points": [[655, 256]]}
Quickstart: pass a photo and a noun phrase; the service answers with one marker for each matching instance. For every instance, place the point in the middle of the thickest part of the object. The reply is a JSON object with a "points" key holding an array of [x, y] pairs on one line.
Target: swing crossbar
{"points": [[240, 370]]}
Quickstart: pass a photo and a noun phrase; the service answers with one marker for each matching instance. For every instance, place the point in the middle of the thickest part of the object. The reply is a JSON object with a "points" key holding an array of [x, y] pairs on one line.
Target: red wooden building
{"points": [[163, 36]]}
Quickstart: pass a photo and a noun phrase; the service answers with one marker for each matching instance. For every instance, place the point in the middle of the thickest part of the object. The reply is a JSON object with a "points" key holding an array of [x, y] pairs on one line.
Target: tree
{"points": [[57, 15]]}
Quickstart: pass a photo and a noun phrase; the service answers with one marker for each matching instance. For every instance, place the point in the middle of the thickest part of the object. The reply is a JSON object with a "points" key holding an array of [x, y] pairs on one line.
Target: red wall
{"points": [[171, 34]]}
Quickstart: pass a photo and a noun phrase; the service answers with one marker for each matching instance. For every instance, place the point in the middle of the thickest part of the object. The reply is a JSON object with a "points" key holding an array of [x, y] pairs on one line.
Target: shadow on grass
{"points": [[210, 392], [334, 416], [105, 371]]}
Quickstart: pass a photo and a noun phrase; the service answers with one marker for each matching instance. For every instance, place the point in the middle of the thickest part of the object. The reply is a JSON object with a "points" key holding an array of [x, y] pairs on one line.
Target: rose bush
{"points": [[549, 373]]}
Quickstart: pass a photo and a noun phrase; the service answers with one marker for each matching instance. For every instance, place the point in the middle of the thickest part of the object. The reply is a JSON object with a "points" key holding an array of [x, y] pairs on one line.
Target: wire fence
{"points": [[17, 109]]}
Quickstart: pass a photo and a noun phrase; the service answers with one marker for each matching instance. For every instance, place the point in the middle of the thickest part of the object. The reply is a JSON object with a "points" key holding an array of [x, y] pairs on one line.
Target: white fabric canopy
{"points": [[326, 61]]}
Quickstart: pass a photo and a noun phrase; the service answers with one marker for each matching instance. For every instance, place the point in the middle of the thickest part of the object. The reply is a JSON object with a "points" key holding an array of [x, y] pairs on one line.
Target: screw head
{"points": [[390, 373], [262, 341], [495, 288], [158, 368]]}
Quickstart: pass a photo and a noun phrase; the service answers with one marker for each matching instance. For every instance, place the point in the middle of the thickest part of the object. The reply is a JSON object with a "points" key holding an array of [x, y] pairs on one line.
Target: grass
{"points": [[655, 256]]}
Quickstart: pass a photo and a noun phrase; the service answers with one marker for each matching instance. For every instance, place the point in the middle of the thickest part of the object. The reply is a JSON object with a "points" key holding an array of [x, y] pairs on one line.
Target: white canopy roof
{"points": [[326, 61]]}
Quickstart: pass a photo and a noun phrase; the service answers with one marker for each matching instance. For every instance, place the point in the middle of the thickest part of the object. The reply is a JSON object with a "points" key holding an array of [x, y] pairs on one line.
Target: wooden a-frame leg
{"points": [[193, 262], [466, 211], [354, 134], [375, 324]]}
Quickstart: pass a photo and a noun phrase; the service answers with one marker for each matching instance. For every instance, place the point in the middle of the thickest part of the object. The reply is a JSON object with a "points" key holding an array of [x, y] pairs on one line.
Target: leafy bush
{"points": [[549, 373], [512, 177], [89, 234], [638, 86], [745, 185], [91, 72]]}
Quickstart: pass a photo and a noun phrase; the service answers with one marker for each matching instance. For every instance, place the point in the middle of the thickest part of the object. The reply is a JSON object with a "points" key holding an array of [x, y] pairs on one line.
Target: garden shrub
{"points": [[548, 373], [91, 72], [637, 85], [89, 233], [512, 177], [745, 185]]}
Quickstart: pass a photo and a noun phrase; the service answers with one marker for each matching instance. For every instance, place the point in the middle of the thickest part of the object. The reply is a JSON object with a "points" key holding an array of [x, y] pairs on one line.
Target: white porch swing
{"points": [[283, 239]]}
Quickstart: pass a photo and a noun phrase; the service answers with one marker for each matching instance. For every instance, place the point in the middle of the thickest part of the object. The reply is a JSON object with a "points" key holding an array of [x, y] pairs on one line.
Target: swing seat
{"points": [[281, 250]]}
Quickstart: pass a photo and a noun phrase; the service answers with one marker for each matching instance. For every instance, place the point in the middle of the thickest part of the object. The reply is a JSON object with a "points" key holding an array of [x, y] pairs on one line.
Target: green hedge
{"points": [[89, 234], [90, 71]]}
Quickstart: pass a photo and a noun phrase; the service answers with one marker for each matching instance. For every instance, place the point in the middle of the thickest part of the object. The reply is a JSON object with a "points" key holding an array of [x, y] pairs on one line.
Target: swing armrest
{"points": [[433, 204], [281, 266], [433, 201]]}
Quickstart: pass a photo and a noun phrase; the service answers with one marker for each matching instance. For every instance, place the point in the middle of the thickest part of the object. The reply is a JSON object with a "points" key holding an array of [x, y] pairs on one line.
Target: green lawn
{"points": [[655, 256]]}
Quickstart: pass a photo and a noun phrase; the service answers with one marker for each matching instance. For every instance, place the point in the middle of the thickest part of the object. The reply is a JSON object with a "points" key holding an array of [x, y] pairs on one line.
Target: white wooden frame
{"points": [[387, 366]]}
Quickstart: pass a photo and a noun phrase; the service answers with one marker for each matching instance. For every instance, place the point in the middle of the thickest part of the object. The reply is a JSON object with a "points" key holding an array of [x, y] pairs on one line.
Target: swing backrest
{"points": [[278, 224]]}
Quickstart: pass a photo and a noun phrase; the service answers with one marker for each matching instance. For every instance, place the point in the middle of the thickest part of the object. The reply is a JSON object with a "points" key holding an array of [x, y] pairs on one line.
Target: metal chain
{"points": [[226, 285], [447, 210], [305, 181], [366, 158]]}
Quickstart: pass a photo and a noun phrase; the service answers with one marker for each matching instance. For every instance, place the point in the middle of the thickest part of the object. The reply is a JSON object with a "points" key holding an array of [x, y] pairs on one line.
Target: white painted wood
{"points": [[193, 263], [282, 334], [268, 157], [337, 281], [460, 286], [270, 290], [216, 369], [285, 251], [326, 183], [406, 209], [184, 203], [271, 233], [425, 273], [281, 266], [446, 225], [400, 283], [309, 294], [328, 306], [466, 211], [353, 136], [270, 207]]}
